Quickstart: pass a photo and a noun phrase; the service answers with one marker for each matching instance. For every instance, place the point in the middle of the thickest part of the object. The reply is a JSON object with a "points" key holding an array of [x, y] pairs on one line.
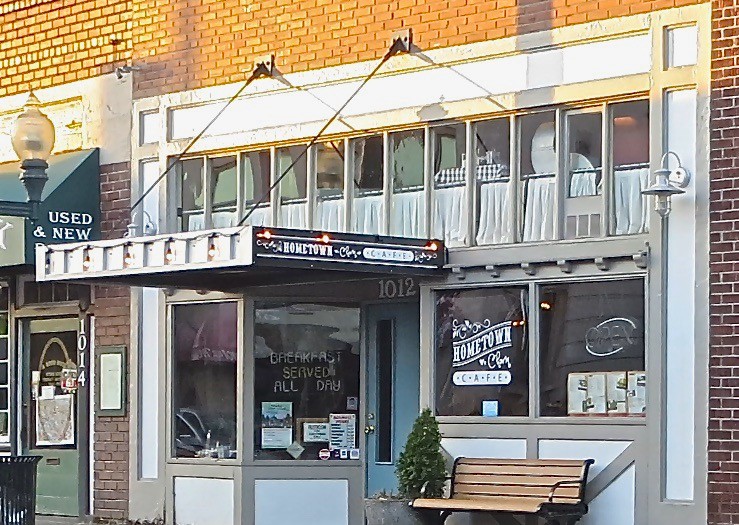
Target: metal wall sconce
{"points": [[667, 183]]}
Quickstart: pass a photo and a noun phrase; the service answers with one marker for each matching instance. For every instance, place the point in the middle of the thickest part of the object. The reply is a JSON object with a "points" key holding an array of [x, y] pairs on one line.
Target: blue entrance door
{"points": [[392, 389]]}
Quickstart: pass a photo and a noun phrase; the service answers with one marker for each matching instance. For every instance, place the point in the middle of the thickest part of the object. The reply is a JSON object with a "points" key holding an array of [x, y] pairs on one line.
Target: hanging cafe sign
{"points": [[230, 257]]}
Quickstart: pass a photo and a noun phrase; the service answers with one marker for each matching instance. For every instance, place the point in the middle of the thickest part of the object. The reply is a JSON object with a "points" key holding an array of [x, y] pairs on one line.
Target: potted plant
{"points": [[421, 473]]}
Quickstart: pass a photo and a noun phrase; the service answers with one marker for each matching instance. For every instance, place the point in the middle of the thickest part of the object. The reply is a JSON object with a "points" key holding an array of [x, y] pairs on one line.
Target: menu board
{"points": [[343, 431]]}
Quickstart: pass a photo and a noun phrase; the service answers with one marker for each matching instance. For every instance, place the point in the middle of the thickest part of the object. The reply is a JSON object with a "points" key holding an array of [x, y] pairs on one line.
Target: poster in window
{"points": [[277, 424], [55, 421]]}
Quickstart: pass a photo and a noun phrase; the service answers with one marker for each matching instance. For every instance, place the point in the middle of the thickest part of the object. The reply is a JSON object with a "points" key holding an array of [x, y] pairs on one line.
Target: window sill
{"points": [[549, 420]]}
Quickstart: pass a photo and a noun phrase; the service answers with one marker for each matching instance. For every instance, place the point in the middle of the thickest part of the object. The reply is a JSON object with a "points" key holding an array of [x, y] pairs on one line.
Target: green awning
{"points": [[69, 209]]}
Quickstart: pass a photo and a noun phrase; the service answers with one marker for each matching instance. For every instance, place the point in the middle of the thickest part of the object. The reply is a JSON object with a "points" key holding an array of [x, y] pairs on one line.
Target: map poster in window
{"points": [[55, 421], [343, 431], [277, 424]]}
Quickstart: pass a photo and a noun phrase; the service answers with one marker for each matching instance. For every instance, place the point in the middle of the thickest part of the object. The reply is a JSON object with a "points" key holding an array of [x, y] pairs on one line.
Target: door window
{"points": [[53, 355]]}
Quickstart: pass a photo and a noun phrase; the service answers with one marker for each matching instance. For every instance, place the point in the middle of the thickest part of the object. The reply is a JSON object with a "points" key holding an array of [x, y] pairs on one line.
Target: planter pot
{"points": [[391, 512]]}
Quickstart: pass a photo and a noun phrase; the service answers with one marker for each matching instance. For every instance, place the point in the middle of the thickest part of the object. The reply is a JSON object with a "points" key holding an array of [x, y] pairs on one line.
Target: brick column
{"points": [[112, 327], [723, 428]]}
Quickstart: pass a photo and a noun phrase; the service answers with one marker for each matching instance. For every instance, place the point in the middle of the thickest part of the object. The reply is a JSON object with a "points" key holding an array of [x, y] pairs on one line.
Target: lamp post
{"points": [[33, 139]]}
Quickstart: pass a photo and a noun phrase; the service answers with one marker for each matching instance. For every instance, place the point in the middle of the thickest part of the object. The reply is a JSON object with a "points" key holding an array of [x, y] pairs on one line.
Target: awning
{"points": [[69, 209], [232, 258]]}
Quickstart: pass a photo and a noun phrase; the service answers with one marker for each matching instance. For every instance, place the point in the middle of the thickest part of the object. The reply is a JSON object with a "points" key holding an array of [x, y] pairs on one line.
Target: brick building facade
{"points": [[180, 47], [723, 469]]}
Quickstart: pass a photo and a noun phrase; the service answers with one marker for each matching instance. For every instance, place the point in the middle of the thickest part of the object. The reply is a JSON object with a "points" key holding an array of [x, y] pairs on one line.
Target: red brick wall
{"points": [[112, 327], [45, 43], [184, 45], [723, 430]]}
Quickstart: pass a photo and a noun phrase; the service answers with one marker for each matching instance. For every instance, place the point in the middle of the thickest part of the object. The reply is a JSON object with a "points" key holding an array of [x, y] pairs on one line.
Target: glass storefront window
{"points": [[257, 173], [192, 196], [408, 208], [450, 209], [223, 188], [591, 339], [493, 149], [204, 371], [329, 213], [293, 186], [306, 382], [630, 132], [369, 167], [583, 207], [482, 356], [538, 166]]}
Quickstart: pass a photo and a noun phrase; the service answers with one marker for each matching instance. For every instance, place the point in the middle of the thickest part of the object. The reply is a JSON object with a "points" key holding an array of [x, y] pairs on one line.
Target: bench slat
{"points": [[523, 462], [515, 490], [518, 505], [524, 470], [501, 479]]}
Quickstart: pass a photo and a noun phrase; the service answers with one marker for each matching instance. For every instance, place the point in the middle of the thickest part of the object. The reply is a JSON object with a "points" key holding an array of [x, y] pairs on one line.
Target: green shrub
{"points": [[421, 462]]}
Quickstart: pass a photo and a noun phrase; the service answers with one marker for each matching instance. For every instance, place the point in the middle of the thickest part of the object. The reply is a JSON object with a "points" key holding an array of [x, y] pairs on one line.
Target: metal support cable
{"points": [[396, 47], [260, 71]]}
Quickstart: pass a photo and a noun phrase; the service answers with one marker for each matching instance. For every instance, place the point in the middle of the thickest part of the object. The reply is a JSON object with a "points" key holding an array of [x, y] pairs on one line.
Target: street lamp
{"points": [[33, 139], [667, 183]]}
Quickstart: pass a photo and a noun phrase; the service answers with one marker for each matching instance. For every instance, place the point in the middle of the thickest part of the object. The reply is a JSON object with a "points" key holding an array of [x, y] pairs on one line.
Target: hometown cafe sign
{"points": [[482, 350]]}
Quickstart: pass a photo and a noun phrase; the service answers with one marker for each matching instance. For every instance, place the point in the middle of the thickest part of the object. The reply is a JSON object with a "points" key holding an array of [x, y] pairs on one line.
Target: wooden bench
{"points": [[552, 489]]}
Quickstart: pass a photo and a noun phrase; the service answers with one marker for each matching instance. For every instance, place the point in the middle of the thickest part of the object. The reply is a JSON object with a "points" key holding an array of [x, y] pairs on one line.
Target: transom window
{"points": [[553, 174]]}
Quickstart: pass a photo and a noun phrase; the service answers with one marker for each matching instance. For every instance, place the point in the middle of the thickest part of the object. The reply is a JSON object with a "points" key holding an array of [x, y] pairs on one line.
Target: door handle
{"points": [[369, 429]]}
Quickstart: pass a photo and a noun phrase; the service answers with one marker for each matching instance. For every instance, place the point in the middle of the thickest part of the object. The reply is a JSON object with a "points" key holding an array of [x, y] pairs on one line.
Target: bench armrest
{"points": [[562, 484]]}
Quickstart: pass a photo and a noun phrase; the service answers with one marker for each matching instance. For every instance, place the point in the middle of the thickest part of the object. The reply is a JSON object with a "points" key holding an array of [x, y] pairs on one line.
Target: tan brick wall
{"points": [[47, 43], [184, 45], [112, 327]]}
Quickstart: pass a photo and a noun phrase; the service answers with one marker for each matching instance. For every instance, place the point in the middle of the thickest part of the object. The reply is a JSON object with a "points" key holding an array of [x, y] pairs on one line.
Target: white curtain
{"points": [[450, 215], [407, 214], [538, 221], [583, 183], [294, 215], [495, 214], [367, 216], [329, 215], [261, 216], [630, 206]]}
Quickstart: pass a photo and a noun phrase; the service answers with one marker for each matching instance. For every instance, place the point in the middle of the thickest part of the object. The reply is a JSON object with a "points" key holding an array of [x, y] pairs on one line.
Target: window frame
{"points": [[534, 348], [515, 191], [169, 404]]}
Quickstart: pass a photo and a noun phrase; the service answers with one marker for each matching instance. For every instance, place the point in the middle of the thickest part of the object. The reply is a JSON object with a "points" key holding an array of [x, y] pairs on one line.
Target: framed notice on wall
{"points": [[110, 381]]}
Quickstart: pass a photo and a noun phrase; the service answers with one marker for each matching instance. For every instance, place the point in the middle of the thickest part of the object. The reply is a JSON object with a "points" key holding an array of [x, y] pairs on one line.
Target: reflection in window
{"points": [[630, 130], [329, 215], [204, 365], [492, 146], [192, 197], [450, 190], [583, 214], [293, 186], [306, 390], [4, 365], [368, 213], [223, 182], [256, 169], [408, 209], [482, 352], [592, 348], [538, 158]]}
